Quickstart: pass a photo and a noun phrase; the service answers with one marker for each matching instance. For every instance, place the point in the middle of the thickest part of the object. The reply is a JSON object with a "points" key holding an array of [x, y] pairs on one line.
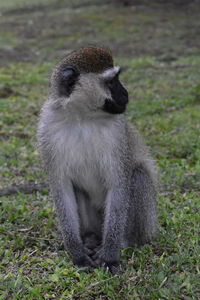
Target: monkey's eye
{"points": [[110, 82]]}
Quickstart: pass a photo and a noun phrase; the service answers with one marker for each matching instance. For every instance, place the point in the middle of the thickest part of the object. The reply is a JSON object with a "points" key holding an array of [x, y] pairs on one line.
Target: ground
{"points": [[159, 44]]}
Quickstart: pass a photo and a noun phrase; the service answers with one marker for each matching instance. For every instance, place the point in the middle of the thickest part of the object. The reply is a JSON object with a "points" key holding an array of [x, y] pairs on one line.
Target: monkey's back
{"points": [[140, 153]]}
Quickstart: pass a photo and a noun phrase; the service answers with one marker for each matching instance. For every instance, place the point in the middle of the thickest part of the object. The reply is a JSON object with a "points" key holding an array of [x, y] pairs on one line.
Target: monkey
{"points": [[101, 175]]}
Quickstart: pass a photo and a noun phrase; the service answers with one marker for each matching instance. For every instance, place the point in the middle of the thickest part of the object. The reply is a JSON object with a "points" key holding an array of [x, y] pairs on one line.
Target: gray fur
{"points": [[101, 175]]}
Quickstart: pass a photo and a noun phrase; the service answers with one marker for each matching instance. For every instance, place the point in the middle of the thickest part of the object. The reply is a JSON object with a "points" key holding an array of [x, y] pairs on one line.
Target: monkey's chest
{"points": [[87, 176], [87, 158], [92, 188]]}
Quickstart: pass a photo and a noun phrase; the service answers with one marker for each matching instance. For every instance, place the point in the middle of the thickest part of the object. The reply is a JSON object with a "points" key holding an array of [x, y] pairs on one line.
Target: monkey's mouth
{"points": [[112, 107]]}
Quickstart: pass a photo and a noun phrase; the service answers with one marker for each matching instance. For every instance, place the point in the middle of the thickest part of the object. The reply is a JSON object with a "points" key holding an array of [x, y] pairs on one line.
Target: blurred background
{"points": [[42, 30], [159, 43]]}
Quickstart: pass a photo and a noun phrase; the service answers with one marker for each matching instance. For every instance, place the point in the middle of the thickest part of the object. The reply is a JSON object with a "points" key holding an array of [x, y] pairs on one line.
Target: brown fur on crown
{"points": [[89, 59]]}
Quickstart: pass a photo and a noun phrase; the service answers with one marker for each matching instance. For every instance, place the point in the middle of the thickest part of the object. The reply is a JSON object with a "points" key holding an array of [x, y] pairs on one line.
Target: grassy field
{"points": [[160, 45]]}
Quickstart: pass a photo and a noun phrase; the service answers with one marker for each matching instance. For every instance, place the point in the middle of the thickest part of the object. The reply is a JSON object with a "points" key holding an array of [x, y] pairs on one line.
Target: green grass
{"points": [[164, 105]]}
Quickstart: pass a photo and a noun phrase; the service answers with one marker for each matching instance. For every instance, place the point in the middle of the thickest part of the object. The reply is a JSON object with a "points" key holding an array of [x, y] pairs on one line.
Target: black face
{"points": [[68, 79], [117, 104]]}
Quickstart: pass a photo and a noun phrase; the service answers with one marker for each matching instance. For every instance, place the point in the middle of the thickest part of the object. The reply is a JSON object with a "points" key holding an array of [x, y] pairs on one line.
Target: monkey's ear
{"points": [[110, 73], [68, 72], [69, 77]]}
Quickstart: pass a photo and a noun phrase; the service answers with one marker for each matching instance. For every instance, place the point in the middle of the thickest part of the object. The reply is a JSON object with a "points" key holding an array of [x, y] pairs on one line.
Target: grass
{"points": [[164, 105]]}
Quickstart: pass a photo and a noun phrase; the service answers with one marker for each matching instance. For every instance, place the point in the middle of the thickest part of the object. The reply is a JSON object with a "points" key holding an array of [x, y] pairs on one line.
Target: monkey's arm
{"points": [[66, 206], [131, 214], [114, 226]]}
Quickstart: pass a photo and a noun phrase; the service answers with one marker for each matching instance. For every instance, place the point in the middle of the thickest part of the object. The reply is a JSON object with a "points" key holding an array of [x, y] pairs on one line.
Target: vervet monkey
{"points": [[101, 175]]}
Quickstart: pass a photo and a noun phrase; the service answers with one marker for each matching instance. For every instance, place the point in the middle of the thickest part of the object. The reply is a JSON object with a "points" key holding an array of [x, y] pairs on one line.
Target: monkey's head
{"points": [[87, 81]]}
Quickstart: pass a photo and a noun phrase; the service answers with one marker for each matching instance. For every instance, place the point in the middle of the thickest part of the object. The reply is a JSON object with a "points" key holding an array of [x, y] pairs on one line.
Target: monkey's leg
{"points": [[90, 221], [142, 219], [114, 226], [67, 212]]}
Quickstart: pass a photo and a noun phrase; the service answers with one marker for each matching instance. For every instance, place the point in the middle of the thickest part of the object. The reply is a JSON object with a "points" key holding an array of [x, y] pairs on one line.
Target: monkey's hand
{"points": [[107, 259], [84, 261]]}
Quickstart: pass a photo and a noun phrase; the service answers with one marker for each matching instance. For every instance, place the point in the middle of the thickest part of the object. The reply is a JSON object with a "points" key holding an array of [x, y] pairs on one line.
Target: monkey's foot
{"points": [[107, 261]]}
